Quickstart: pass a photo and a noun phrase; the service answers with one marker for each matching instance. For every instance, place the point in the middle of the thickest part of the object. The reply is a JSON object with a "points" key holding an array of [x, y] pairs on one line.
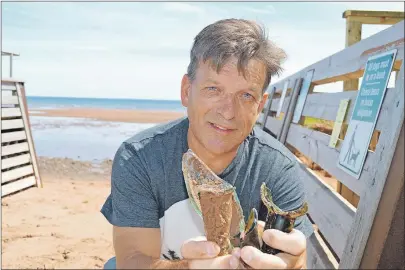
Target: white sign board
{"points": [[365, 113]]}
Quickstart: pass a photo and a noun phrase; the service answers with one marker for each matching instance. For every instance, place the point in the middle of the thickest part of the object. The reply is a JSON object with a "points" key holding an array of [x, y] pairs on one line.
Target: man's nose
{"points": [[227, 107]]}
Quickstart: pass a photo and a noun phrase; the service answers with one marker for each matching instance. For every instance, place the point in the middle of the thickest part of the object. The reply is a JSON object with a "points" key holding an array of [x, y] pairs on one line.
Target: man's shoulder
{"points": [[159, 133], [270, 144]]}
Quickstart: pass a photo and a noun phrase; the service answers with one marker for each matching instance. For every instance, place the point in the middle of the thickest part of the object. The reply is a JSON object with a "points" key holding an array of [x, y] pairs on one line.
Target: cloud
{"points": [[269, 9], [183, 8]]}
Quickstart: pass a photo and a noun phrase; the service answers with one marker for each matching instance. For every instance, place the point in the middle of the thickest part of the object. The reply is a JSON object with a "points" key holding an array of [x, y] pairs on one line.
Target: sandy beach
{"points": [[115, 115], [60, 225]]}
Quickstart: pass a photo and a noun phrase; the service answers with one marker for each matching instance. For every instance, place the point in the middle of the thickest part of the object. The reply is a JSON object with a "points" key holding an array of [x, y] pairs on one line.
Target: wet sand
{"points": [[116, 115], [59, 225]]}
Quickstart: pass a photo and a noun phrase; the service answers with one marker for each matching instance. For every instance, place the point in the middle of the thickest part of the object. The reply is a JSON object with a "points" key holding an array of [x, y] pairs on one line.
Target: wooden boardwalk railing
{"points": [[345, 233]]}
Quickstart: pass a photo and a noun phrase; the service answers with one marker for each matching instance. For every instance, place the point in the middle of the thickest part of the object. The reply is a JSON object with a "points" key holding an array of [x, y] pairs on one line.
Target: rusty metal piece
{"points": [[277, 218]]}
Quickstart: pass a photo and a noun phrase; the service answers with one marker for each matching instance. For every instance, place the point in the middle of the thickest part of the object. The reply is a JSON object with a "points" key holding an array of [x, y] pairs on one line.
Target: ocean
{"points": [[86, 139]]}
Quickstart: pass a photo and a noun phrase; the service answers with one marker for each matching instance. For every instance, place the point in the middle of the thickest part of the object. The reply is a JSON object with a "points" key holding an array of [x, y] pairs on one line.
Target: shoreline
{"points": [[111, 115]]}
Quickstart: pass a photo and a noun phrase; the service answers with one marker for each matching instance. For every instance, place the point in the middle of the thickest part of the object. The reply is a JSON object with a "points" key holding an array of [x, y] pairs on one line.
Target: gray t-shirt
{"points": [[148, 189]]}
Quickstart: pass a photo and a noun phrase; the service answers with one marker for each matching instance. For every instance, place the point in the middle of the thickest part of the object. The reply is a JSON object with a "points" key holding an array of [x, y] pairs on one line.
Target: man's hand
{"points": [[292, 256], [202, 254]]}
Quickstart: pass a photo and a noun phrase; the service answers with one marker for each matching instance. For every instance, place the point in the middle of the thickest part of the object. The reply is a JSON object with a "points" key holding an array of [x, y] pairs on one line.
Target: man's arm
{"points": [[139, 248]]}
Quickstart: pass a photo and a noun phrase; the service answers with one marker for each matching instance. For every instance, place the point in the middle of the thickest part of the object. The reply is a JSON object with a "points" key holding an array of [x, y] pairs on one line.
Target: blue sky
{"points": [[141, 50]]}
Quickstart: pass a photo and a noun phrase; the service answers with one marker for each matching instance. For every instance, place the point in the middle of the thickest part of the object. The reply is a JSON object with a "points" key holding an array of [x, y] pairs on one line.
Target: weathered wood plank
{"points": [[392, 37], [315, 145], [24, 109], [16, 173], [374, 180], [386, 209], [276, 101], [15, 161], [6, 100], [11, 124], [328, 209], [17, 185], [274, 125], [14, 149], [290, 111], [13, 136], [326, 105], [5, 85], [318, 255], [10, 112]]}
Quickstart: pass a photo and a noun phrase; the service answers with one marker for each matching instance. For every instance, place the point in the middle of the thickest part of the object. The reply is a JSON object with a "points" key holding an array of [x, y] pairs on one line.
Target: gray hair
{"points": [[239, 38]]}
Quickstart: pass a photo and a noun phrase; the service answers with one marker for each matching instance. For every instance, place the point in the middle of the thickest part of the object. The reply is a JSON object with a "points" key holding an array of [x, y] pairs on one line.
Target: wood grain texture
{"points": [[25, 116], [14, 149], [17, 185], [9, 100], [274, 125], [11, 124], [318, 255], [290, 111], [330, 212], [16, 173], [13, 136], [15, 161], [385, 213], [315, 145], [374, 180], [10, 112]]}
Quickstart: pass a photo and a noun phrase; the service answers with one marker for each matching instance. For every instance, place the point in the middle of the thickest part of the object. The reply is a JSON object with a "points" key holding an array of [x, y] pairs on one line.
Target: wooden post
{"points": [[290, 111]]}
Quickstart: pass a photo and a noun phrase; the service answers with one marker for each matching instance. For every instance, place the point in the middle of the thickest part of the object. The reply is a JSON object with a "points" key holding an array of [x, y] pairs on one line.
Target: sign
{"points": [[303, 96], [280, 104], [338, 122], [365, 113]]}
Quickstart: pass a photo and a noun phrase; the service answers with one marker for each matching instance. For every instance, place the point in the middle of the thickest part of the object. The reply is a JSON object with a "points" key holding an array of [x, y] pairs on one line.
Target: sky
{"points": [[141, 50]]}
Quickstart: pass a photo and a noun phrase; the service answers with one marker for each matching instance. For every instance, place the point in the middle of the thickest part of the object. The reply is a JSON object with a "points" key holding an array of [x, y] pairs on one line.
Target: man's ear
{"points": [[185, 90], [262, 102]]}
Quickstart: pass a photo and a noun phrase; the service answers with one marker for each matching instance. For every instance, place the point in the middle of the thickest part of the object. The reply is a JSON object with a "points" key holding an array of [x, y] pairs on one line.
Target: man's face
{"points": [[223, 108]]}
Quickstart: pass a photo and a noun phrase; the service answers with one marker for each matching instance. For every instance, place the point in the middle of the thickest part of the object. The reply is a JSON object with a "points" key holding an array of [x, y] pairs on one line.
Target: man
{"points": [[154, 224]]}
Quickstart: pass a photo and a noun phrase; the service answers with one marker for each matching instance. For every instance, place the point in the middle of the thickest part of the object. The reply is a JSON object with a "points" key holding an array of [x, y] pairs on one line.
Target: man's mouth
{"points": [[221, 128]]}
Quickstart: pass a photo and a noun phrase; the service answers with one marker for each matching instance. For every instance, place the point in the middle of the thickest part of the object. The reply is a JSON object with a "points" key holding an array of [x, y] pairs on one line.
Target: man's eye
{"points": [[247, 96], [211, 88]]}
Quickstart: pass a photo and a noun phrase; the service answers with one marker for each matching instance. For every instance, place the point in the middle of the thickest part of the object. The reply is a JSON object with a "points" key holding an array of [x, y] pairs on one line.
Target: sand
{"points": [[133, 116], [59, 225]]}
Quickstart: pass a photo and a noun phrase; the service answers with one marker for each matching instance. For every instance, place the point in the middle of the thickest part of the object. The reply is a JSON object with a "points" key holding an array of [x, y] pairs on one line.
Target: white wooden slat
{"points": [[329, 211], [274, 125], [16, 173], [15, 161], [325, 105], [17, 185], [13, 136], [11, 124], [315, 145], [348, 57], [10, 112], [274, 104], [14, 149], [8, 86], [318, 254], [9, 100]]}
